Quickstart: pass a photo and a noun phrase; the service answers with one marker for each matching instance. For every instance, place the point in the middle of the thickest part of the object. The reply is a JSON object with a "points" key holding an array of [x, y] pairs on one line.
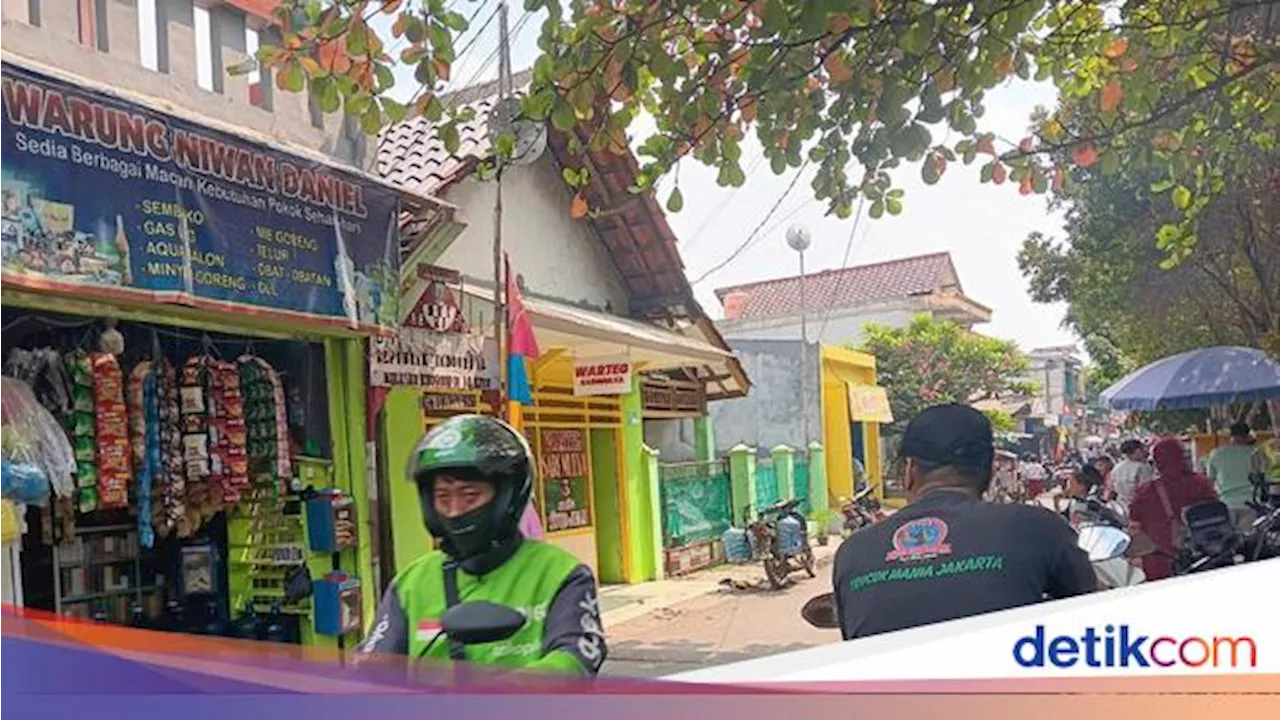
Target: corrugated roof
{"points": [[847, 287]]}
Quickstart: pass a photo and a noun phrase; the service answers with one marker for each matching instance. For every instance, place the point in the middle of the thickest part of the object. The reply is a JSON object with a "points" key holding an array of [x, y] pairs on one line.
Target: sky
{"points": [[982, 226]]}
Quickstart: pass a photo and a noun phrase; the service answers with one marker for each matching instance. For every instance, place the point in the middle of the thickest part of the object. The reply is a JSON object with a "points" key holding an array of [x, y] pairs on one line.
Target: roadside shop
{"points": [[584, 425], [191, 304], [853, 409]]}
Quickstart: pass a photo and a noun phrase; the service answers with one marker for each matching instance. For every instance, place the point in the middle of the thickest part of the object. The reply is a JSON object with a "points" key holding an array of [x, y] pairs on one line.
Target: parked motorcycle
{"points": [[863, 510], [779, 537], [1100, 532], [1213, 541]]}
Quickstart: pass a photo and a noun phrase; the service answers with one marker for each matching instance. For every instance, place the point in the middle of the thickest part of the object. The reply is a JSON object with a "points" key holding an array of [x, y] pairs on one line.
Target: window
{"points": [[148, 35], [259, 81], [205, 76]]}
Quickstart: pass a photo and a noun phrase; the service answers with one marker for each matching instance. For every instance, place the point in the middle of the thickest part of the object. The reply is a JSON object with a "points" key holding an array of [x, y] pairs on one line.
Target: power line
{"points": [[844, 262], [751, 239], [720, 208], [461, 53], [515, 32]]}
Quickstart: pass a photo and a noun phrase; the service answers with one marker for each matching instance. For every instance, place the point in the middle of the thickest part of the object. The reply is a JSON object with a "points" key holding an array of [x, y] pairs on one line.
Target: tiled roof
{"points": [[632, 227], [846, 287], [412, 155]]}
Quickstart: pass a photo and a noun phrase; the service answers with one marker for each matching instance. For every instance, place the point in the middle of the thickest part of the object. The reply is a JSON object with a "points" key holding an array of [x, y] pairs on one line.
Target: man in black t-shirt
{"points": [[948, 554]]}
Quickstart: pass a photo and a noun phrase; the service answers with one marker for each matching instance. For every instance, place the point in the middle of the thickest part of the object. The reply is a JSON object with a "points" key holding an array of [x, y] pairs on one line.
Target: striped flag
{"points": [[521, 344]]}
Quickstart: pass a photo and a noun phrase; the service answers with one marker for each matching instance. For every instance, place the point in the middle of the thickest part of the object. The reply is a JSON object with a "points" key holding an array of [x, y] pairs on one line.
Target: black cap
{"points": [[954, 435]]}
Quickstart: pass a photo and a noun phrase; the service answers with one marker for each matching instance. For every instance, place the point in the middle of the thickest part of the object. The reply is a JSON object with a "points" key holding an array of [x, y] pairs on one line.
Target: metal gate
{"points": [[697, 501]]}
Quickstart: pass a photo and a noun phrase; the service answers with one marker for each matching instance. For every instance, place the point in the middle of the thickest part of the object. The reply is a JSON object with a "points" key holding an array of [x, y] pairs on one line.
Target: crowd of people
{"points": [[1145, 485]]}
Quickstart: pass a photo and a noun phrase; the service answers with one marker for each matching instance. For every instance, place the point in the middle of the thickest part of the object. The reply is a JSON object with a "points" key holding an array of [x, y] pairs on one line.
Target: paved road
{"points": [[737, 623]]}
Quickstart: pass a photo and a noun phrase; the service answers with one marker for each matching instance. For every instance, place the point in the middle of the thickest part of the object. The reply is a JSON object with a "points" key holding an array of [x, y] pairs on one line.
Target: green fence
{"points": [[802, 484], [767, 492], [697, 502]]}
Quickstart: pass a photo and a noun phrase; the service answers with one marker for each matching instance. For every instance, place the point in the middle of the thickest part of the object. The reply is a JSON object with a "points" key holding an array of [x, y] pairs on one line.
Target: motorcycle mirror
{"points": [[820, 612], [1103, 542], [476, 623]]}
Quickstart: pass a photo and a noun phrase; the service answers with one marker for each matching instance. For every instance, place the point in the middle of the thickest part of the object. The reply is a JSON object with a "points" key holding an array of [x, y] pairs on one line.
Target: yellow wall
{"points": [[840, 369]]}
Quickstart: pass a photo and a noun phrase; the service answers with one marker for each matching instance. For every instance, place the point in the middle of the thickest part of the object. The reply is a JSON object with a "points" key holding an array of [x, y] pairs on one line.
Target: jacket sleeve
{"points": [[1070, 572], [573, 637], [390, 631]]}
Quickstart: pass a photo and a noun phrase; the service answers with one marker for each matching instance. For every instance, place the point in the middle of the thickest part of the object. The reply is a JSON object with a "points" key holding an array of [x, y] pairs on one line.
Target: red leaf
{"points": [[986, 145], [1112, 92], [578, 208], [1084, 155], [1028, 143], [998, 174], [1116, 48]]}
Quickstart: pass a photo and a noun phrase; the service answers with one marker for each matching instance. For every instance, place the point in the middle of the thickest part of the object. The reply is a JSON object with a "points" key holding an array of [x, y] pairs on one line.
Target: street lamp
{"points": [[798, 239]]}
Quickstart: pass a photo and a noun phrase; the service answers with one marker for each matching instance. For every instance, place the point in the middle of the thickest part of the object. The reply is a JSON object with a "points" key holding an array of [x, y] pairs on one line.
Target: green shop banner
{"points": [[563, 467], [110, 198]]}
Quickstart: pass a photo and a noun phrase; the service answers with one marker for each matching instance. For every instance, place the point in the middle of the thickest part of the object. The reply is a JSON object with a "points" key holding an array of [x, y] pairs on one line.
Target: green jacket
{"points": [[554, 591]]}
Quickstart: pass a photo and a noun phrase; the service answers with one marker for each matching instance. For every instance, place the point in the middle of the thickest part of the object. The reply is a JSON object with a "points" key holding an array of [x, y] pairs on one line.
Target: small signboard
{"points": [[602, 376], [562, 464]]}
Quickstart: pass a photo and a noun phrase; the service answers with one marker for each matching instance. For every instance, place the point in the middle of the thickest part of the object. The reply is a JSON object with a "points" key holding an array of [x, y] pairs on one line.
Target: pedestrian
{"points": [[1157, 506], [1230, 467], [948, 554], [1132, 472], [1105, 465]]}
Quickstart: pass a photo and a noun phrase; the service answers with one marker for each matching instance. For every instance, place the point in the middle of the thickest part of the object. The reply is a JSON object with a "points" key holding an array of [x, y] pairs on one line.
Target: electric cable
{"points": [[755, 234]]}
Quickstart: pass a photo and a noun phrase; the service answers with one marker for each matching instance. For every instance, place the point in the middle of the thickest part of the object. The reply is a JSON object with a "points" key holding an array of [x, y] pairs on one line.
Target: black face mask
{"points": [[470, 539], [470, 534]]}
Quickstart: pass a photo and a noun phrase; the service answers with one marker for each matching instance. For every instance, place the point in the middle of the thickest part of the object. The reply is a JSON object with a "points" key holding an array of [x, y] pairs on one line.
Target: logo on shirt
{"points": [[427, 630], [921, 539]]}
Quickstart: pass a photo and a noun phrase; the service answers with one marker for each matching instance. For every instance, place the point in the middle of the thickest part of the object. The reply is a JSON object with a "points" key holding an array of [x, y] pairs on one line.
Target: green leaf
{"points": [[893, 205], [675, 203], [394, 109], [371, 120], [563, 118], [1162, 186], [986, 171], [1181, 197], [454, 21], [385, 77], [357, 40], [449, 136], [876, 211], [292, 78], [570, 177]]}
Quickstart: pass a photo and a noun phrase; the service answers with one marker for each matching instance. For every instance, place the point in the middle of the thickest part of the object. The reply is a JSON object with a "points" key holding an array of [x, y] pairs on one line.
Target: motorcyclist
{"points": [[948, 554], [474, 475]]}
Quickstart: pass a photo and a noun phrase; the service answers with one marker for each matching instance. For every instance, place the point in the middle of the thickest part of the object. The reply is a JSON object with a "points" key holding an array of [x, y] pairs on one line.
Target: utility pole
{"points": [[798, 239], [499, 266]]}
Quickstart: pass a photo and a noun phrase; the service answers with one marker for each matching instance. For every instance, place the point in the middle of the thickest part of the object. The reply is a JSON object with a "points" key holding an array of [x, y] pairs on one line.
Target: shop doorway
{"points": [[610, 494], [858, 443], [192, 448]]}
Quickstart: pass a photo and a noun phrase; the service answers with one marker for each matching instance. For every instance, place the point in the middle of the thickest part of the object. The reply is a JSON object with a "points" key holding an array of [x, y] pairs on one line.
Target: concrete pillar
{"points": [[704, 438], [644, 499], [818, 497], [742, 483], [784, 464], [653, 482]]}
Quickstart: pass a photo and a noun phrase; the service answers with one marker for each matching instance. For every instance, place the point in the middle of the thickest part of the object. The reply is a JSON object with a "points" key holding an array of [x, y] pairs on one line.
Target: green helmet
{"points": [[475, 447]]}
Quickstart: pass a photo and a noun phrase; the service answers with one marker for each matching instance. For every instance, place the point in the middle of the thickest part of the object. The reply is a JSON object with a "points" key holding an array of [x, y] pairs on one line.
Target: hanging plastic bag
{"points": [[24, 482], [10, 523], [32, 438]]}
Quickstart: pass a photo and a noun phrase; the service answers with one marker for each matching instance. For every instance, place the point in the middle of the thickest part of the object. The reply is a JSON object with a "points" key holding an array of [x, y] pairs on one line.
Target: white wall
{"points": [[558, 256], [55, 43]]}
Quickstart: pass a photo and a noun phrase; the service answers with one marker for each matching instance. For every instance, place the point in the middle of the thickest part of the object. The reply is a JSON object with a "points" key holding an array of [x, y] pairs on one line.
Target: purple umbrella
{"points": [[1198, 379]]}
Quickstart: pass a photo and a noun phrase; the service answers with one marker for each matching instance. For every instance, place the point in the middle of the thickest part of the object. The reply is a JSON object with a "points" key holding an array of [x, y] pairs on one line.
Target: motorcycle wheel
{"points": [[775, 570], [808, 563]]}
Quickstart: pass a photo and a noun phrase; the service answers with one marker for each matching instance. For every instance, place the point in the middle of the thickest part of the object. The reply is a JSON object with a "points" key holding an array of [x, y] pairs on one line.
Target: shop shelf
{"points": [[89, 597]]}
